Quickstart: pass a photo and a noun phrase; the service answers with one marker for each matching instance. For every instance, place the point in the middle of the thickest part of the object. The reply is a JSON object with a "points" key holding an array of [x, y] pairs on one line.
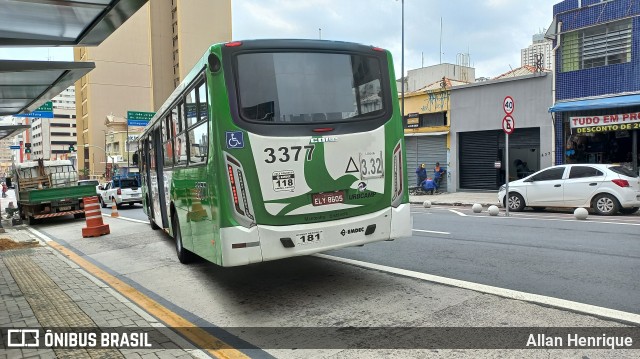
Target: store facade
{"points": [[597, 87], [427, 127], [477, 146]]}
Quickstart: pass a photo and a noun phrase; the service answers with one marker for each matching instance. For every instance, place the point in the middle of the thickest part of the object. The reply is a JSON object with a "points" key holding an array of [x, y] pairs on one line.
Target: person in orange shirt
{"points": [[437, 174]]}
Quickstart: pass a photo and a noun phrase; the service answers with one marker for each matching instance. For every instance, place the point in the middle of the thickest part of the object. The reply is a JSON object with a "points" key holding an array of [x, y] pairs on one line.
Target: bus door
{"points": [[145, 175], [155, 176], [160, 202]]}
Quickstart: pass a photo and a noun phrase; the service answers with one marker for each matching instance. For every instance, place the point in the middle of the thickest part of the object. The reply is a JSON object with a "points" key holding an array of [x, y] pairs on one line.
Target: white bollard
{"points": [[427, 204], [581, 213], [477, 208], [494, 210]]}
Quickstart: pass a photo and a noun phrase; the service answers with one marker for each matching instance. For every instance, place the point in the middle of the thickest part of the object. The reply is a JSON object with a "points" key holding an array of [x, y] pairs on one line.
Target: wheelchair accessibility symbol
{"points": [[235, 139]]}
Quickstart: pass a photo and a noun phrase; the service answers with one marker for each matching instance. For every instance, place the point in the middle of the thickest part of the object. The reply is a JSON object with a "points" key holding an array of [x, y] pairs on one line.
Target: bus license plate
{"points": [[321, 199], [65, 208]]}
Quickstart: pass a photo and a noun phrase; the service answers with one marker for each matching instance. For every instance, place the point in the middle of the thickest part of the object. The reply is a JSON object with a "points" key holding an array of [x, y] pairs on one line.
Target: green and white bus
{"points": [[277, 148]]}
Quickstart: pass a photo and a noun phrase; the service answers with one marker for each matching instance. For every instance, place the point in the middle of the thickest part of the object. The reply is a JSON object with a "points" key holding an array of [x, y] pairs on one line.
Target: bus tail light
{"points": [[397, 185], [233, 44], [242, 205]]}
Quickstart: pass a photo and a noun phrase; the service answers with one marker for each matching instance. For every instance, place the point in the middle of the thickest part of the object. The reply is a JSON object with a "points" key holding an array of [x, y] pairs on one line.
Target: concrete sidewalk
{"points": [[458, 198], [40, 288]]}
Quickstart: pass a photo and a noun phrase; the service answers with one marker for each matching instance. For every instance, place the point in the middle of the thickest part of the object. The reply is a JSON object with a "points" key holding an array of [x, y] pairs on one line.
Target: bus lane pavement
{"points": [[307, 292]]}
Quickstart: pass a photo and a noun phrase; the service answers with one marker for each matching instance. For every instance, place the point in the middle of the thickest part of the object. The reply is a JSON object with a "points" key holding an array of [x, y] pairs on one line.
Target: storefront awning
{"points": [[596, 104], [62, 23], [25, 85], [8, 131]]}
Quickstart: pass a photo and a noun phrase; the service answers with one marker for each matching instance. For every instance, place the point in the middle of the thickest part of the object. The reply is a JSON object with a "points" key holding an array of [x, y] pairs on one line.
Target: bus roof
{"points": [[251, 44]]}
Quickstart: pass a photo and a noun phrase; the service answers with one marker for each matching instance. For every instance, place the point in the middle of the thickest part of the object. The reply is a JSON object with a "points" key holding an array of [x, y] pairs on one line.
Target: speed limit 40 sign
{"points": [[508, 105]]}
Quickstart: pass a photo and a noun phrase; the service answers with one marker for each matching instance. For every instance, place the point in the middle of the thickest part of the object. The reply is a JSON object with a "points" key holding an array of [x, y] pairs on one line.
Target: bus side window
{"points": [[199, 143], [203, 107], [191, 108], [168, 141], [180, 142]]}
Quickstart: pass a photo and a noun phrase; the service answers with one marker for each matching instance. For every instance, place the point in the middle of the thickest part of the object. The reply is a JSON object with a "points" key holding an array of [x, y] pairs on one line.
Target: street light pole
{"points": [[126, 143], [402, 65], [105, 152]]}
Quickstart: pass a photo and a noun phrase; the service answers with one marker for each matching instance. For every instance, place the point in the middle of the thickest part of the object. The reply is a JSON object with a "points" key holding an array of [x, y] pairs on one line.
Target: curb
{"points": [[460, 204]]}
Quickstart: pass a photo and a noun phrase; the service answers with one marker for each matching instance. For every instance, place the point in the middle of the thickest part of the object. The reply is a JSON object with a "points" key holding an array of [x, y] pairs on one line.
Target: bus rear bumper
{"points": [[264, 243]]}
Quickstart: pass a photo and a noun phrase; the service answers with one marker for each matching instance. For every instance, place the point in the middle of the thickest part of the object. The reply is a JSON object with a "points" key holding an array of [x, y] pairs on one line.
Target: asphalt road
{"points": [[594, 262], [316, 293], [128, 211]]}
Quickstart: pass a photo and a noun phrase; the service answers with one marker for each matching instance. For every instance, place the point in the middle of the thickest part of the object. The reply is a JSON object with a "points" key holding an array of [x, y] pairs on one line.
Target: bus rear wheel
{"points": [[153, 224], [184, 255]]}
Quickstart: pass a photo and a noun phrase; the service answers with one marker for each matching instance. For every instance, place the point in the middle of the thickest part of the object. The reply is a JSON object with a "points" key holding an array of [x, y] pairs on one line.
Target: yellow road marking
{"points": [[198, 336]]}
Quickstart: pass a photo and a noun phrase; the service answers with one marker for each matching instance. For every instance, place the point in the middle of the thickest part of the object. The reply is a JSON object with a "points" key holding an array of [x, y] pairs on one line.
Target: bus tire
{"points": [[153, 224], [184, 255]]}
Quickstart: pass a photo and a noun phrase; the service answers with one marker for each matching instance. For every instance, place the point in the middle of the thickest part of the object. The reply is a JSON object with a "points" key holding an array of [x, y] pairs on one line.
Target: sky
{"points": [[492, 32]]}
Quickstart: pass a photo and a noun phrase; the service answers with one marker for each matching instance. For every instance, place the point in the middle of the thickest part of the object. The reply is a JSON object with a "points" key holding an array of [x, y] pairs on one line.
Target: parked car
{"points": [[123, 190], [607, 189]]}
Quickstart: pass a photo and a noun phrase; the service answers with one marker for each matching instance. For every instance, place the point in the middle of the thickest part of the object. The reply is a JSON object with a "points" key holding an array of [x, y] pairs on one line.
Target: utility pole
{"points": [[402, 65], [127, 146]]}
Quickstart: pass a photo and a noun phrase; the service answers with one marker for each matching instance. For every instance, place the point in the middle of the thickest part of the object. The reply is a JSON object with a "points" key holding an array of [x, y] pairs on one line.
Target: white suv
{"points": [[124, 190], [608, 189]]}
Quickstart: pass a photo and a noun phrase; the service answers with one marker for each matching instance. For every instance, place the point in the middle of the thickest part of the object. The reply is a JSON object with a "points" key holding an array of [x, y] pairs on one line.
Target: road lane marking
{"points": [[502, 292], [563, 220], [188, 330], [127, 219], [458, 212], [426, 231]]}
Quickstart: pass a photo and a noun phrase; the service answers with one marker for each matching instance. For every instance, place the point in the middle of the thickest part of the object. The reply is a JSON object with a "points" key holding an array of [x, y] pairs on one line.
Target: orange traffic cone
{"points": [[93, 215], [114, 209]]}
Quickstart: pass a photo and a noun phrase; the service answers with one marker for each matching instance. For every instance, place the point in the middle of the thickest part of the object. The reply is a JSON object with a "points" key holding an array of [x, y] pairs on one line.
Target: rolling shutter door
{"points": [[477, 153], [412, 159], [427, 150]]}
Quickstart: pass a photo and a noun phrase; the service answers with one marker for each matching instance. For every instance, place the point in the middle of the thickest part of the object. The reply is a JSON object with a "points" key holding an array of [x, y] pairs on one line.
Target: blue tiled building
{"points": [[597, 81]]}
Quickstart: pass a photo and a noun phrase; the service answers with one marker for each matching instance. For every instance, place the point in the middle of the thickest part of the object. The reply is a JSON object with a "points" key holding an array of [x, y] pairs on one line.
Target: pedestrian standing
{"points": [[437, 174], [421, 173]]}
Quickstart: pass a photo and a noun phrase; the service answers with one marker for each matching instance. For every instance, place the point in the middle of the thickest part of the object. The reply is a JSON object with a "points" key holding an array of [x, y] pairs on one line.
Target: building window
{"points": [[433, 119], [597, 46]]}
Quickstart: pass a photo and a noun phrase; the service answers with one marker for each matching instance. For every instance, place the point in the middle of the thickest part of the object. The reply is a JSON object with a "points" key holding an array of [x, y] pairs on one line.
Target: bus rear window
{"points": [[298, 87]]}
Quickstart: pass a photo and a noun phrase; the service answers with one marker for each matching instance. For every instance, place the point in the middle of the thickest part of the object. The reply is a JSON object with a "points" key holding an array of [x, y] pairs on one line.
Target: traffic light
{"points": [[27, 147], [72, 148], [27, 150]]}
